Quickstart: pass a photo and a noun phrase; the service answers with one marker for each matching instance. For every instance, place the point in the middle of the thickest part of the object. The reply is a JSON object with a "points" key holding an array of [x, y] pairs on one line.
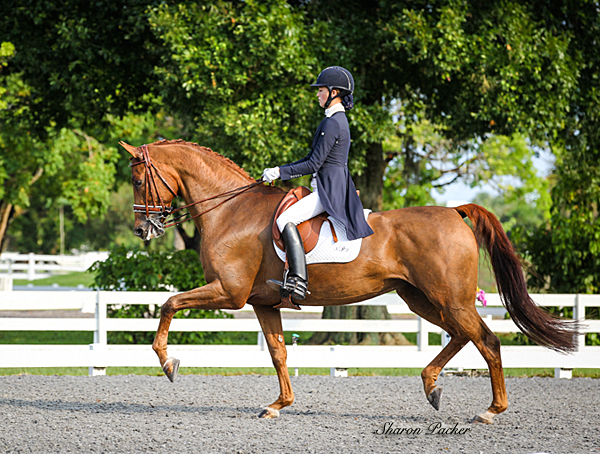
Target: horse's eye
{"points": [[137, 183]]}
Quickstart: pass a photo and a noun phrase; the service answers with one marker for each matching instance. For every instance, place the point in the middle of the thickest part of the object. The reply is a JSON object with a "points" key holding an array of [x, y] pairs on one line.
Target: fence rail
{"points": [[99, 355], [35, 266]]}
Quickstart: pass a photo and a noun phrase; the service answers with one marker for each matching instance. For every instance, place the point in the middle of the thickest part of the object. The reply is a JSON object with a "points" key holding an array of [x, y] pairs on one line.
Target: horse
{"points": [[427, 255]]}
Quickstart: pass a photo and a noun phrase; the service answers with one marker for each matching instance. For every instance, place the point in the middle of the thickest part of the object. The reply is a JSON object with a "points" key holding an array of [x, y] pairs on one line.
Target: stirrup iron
{"points": [[291, 286]]}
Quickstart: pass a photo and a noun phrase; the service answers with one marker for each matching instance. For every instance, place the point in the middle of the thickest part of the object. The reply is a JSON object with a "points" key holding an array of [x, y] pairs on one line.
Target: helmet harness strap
{"points": [[331, 98]]}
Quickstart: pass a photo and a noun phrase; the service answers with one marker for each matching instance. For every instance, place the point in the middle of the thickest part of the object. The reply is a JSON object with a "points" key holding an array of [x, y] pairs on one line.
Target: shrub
{"points": [[154, 271]]}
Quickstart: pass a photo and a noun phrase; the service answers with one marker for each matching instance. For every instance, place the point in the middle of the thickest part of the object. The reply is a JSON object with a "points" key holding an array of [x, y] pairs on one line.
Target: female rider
{"points": [[333, 188]]}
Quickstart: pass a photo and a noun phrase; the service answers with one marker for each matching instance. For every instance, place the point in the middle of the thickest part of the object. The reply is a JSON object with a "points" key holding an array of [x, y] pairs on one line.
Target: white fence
{"points": [[100, 355], [35, 266]]}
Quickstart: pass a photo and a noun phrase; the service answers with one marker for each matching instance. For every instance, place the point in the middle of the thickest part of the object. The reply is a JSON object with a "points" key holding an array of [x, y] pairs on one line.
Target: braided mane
{"points": [[228, 162]]}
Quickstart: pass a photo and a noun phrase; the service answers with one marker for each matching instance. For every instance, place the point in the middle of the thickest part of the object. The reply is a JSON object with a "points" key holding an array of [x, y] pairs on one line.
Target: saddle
{"points": [[309, 230]]}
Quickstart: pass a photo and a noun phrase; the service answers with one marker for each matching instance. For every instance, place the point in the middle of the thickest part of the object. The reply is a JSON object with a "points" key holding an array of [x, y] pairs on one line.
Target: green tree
{"points": [[75, 68], [566, 250], [236, 74], [72, 166], [513, 212], [484, 76], [423, 159], [472, 71], [81, 60]]}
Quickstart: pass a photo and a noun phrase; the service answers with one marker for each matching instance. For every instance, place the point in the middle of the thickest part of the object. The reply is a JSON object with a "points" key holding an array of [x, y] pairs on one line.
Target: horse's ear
{"points": [[133, 151]]}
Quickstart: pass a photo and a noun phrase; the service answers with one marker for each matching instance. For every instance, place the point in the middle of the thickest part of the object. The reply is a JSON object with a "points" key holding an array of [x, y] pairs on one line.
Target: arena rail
{"points": [[36, 266], [99, 355]]}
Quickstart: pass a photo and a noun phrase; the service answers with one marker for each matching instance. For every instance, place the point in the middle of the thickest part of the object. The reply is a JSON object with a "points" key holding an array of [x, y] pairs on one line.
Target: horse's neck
{"points": [[204, 175]]}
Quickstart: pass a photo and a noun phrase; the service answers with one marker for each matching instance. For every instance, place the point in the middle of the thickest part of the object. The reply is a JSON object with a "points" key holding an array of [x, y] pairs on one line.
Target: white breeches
{"points": [[301, 211]]}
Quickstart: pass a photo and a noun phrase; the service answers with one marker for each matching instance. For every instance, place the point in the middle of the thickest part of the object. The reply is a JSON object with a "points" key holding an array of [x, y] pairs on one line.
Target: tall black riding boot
{"points": [[295, 280]]}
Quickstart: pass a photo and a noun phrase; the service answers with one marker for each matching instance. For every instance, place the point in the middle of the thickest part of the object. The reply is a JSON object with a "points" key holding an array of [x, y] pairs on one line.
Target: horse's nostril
{"points": [[138, 232]]}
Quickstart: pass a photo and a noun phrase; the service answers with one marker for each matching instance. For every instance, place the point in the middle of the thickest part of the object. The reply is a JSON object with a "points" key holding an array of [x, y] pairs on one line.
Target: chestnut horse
{"points": [[428, 255]]}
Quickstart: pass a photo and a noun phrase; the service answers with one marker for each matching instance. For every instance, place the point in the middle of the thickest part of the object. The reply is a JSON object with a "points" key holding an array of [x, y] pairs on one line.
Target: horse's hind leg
{"points": [[430, 374], [464, 324], [420, 305], [270, 322], [489, 346]]}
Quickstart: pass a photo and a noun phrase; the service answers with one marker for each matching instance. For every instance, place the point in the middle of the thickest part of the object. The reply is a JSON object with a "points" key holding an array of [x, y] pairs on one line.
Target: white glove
{"points": [[270, 175]]}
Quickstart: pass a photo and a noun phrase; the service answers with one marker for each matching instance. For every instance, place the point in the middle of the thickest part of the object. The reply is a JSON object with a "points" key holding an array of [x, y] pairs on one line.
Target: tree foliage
{"points": [[444, 90], [80, 59], [68, 167], [566, 250], [237, 75]]}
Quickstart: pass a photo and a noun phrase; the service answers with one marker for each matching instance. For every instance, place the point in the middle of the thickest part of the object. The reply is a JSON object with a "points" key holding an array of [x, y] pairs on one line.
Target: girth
{"points": [[309, 230]]}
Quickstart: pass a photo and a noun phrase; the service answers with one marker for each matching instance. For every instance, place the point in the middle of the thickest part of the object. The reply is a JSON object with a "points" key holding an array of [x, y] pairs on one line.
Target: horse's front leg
{"points": [[270, 322], [209, 297]]}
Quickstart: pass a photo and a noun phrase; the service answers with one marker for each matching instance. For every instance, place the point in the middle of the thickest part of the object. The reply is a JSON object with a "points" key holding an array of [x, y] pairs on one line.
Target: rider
{"points": [[333, 188]]}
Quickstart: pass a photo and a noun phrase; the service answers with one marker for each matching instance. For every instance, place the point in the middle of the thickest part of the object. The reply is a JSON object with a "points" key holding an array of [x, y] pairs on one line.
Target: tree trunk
{"points": [[370, 184], [5, 215], [7, 212], [358, 313]]}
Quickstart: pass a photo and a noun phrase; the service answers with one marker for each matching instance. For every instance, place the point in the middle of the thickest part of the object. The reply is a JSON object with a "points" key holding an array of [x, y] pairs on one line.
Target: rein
{"points": [[235, 192], [162, 211]]}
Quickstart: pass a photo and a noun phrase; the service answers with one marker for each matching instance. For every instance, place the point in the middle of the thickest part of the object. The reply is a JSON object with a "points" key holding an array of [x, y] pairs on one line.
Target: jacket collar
{"points": [[334, 109]]}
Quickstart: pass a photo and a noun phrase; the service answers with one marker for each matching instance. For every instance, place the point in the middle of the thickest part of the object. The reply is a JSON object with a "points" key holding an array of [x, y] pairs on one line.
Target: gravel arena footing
{"points": [[131, 414]]}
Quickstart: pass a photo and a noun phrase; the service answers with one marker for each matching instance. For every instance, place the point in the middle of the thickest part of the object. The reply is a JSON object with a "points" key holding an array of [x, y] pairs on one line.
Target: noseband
{"points": [[157, 214]]}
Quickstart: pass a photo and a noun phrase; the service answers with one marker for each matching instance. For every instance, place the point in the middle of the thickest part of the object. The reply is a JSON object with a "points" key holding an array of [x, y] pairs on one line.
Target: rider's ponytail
{"points": [[348, 101]]}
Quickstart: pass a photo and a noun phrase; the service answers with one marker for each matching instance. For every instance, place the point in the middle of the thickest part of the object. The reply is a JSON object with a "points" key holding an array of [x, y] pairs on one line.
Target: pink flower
{"points": [[481, 296]]}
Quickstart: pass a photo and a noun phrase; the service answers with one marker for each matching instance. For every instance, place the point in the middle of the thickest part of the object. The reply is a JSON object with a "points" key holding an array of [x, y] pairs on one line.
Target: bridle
{"points": [[158, 214]]}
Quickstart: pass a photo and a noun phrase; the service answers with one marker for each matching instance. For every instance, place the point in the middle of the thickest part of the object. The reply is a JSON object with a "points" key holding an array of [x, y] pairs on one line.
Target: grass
{"points": [[64, 280], [47, 337], [86, 337]]}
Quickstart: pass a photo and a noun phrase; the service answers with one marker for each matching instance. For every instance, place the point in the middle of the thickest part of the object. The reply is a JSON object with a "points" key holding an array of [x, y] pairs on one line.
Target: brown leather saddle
{"points": [[309, 230]]}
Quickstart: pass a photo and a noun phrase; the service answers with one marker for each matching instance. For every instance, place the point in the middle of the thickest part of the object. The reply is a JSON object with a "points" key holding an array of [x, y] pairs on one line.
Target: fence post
{"points": [[100, 337], [337, 371], [422, 335], [261, 342], [579, 314], [445, 338], [31, 267]]}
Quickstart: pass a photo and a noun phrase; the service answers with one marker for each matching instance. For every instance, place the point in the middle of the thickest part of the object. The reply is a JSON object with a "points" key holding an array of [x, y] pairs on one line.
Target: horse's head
{"points": [[153, 192]]}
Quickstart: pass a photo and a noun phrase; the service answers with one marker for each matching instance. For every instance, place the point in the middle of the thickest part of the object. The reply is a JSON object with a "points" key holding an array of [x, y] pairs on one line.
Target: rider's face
{"points": [[323, 94]]}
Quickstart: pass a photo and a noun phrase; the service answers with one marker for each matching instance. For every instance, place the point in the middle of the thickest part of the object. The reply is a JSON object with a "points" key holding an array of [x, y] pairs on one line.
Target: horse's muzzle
{"points": [[151, 227]]}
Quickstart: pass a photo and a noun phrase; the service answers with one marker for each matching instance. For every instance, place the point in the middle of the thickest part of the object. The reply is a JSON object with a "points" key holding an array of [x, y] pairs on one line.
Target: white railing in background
{"points": [[100, 355], [35, 266]]}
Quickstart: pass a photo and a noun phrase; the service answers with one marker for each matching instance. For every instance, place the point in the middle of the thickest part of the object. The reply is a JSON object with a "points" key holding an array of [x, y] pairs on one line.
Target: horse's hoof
{"points": [[269, 413], [435, 396], [171, 367], [484, 418]]}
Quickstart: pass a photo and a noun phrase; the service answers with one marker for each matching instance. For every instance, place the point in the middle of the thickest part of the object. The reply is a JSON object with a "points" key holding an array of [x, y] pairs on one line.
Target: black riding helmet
{"points": [[335, 77]]}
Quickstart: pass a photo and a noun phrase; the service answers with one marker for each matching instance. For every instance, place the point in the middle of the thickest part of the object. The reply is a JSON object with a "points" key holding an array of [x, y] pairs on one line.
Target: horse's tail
{"points": [[541, 327]]}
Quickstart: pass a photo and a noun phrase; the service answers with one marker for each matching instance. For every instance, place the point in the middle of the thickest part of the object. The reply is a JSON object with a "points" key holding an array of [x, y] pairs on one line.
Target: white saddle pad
{"points": [[327, 250]]}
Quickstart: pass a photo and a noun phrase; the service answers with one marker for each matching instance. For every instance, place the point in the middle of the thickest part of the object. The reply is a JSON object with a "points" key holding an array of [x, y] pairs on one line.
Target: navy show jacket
{"points": [[329, 159]]}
